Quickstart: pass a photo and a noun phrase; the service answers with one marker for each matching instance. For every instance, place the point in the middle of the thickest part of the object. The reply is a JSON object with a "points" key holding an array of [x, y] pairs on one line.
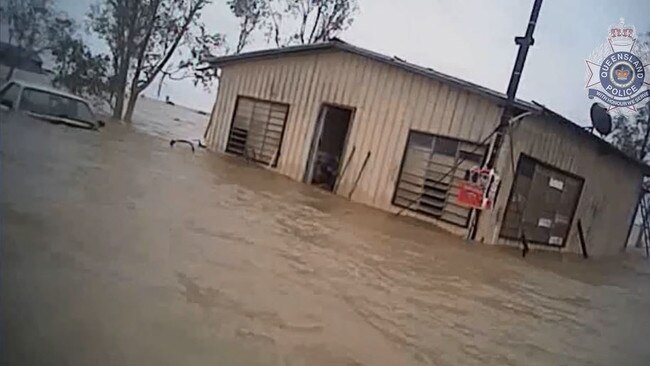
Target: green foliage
{"points": [[79, 70], [320, 20], [30, 23], [144, 36], [629, 132], [286, 22], [203, 46], [308, 21], [250, 14], [171, 28], [38, 26]]}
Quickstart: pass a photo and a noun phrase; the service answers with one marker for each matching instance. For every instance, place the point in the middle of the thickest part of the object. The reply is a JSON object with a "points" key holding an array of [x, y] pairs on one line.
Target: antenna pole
{"points": [[524, 44]]}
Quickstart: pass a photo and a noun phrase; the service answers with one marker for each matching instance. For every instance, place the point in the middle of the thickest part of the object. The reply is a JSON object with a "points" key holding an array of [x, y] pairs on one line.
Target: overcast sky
{"points": [[470, 39]]}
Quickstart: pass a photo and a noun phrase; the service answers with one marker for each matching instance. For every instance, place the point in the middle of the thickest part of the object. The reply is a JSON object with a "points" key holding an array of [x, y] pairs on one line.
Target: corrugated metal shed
{"points": [[387, 101], [612, 182], [499, 98], [338, 45], [388, 98]]}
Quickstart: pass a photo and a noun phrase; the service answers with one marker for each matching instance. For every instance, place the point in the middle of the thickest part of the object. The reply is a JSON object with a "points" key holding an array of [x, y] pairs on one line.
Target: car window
{"points": [[10, 93], [46, 103]]}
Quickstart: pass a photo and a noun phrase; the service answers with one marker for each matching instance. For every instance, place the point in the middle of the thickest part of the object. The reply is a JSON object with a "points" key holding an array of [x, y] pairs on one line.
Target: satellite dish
{"points": [[600, 119]]}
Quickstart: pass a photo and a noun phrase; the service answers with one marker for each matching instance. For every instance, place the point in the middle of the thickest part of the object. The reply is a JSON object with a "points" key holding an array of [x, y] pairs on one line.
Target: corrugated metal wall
{"points": [[388, 101], [609, 195]]}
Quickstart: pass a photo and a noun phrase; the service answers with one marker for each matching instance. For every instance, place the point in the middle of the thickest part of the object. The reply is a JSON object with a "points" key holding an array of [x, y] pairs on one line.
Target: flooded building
{"points": [[389, 134]]}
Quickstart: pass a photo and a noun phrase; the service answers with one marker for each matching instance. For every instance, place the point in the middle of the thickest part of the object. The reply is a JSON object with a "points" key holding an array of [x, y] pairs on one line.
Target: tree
{"points": [[80, 71], [37, 26], [629, 133], [169, 27], [250, 13], [34, 25], [321, 20], [314, 20], [143, 37], [272, 24], [202, 45], [28, 22], [118, 23]]}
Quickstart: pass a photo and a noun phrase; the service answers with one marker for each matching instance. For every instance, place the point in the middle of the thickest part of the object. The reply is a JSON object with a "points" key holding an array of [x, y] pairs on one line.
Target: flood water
{"points": [[166, 121], [119, 250]]}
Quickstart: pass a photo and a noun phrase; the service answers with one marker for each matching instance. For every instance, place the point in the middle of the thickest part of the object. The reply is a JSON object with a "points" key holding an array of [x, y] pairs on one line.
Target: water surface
{"points": [[119, 250]]}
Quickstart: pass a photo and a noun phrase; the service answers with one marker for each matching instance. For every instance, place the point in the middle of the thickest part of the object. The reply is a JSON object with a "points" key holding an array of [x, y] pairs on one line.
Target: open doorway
{"points": [[327, 146]]}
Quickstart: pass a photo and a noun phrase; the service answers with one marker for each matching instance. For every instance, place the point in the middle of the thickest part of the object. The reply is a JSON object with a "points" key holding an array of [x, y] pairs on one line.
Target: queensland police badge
{"points": [[617, 71]]}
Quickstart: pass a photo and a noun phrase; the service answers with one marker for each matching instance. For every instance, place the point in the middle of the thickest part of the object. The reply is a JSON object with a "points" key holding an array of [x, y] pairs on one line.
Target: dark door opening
{"points": [[327, 147]]}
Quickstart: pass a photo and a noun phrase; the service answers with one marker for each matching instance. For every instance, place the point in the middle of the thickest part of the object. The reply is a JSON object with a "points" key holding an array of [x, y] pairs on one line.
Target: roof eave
{"points": [[645, 168], [346, 47], [500, 98], [217, 61]]}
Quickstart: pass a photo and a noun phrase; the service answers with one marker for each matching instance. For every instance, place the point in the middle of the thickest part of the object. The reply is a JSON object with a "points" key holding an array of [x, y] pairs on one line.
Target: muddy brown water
{"points": [[118, 250]]}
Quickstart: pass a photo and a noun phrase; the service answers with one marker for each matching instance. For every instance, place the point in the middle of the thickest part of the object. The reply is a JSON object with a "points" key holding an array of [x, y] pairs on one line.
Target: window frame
{"points": [[238, 98], [18, 96], [25, 89], [433, 136], [536, 161]]}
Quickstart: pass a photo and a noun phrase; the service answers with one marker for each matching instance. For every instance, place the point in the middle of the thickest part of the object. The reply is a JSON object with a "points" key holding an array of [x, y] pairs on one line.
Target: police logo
{"points": [[616, 72]]}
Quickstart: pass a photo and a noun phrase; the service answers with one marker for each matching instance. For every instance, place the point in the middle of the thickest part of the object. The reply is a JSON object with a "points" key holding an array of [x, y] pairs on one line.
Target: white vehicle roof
{"points": [[45, 88]]}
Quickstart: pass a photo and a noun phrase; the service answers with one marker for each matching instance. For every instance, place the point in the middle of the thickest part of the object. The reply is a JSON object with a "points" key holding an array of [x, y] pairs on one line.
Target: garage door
{"points": [[257, 130], [542, 202], [429, 179]]}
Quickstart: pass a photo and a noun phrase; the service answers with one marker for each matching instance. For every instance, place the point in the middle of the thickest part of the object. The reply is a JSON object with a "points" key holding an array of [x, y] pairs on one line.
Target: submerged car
{"points": [[46, 103]]}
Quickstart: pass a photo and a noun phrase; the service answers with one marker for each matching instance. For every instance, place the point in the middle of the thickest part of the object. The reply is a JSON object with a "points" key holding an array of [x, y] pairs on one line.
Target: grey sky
{"points": [[470, 39]]}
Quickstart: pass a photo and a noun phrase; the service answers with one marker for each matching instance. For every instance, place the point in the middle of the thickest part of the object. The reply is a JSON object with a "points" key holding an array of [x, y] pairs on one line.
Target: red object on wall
{"points": [[470, 195]]}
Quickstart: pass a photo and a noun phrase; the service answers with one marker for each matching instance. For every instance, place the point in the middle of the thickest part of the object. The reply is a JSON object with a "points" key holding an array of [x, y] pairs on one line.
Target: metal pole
{"points": [[644, 145], [339, 176], [471, 233], [524, 43], [583, 243], [363, 167]]}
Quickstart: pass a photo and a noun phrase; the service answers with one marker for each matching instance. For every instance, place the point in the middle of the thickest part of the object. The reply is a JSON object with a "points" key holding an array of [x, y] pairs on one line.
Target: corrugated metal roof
{"points": [[583, 133], [337, 44]]}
